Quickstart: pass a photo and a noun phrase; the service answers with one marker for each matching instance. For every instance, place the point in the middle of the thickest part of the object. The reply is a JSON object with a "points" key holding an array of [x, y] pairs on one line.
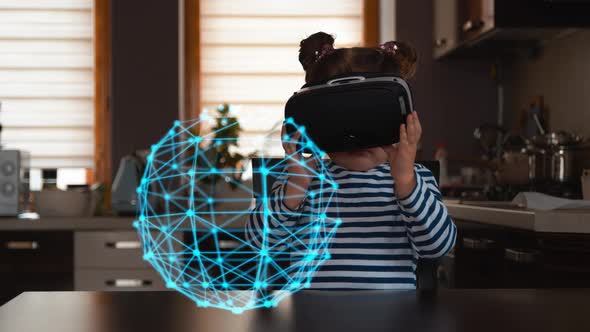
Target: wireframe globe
{"points": [[193, 213]]}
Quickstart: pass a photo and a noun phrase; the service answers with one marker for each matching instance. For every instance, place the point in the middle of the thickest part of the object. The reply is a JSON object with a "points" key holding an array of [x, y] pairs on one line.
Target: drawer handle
{"points": [[440, 42], [478, 244], [22, 245], [128, 283], [228, 244], [521, 256], [470, 25], [124, 245]]}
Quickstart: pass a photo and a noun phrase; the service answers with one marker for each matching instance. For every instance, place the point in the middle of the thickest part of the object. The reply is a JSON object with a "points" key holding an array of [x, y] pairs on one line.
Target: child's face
{"points": [[359, 160]]}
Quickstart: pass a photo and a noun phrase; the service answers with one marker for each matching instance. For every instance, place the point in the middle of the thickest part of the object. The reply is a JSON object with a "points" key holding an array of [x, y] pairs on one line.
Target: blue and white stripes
{"points": [[380, 236]]}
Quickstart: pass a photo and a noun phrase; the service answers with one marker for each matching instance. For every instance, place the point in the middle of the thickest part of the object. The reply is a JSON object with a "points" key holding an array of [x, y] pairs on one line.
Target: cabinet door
{"points": [[445, 27]]}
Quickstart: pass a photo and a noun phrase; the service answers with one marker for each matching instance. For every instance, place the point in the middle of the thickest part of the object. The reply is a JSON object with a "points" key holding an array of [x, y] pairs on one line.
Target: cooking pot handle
{"points": [[344, 80]]}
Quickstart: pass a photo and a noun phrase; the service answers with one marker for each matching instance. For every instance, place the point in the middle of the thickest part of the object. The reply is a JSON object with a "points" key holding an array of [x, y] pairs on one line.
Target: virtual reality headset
{"points": [[351, 112]]}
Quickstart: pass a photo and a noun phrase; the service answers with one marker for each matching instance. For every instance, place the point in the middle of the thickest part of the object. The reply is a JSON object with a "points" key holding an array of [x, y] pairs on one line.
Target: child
{"points": [[391, 209]]}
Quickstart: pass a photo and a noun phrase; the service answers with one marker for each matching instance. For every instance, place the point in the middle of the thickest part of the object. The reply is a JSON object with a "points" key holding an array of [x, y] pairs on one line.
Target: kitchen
{"points": [[85, 84]]}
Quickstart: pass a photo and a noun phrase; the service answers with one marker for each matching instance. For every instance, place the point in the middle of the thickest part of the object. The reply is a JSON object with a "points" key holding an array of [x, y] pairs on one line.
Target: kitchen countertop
{"points": [[66, 223], [491, 213], [310, 311], [503, 214]]}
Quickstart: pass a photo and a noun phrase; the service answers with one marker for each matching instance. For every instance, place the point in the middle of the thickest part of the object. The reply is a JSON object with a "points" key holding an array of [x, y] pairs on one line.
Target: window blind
{"points": [[249, 53], [46, 81]]}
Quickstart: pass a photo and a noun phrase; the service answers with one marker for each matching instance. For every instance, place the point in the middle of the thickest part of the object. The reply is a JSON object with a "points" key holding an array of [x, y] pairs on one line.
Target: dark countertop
{"points": [[309, 311], [66, 223]]}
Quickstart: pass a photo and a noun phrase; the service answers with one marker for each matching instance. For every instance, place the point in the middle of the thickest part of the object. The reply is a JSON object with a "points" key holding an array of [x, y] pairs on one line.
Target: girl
{"points": [[390, 208]]}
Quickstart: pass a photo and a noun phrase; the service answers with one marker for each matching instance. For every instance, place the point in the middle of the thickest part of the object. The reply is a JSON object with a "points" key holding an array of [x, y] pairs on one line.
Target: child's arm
{"points": [[273, 215], [430, 228], [278, 213]]}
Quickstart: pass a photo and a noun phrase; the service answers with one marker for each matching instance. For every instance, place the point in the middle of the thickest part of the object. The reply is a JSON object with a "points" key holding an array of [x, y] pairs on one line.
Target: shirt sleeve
{"points": [[430, 228], [272, 216]]}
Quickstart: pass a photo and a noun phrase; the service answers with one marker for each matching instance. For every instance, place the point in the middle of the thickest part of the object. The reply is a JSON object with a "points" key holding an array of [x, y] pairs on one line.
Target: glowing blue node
{"points": [[188, 197], [334, 185], [338, 221], [176, 123], [264, 171]]}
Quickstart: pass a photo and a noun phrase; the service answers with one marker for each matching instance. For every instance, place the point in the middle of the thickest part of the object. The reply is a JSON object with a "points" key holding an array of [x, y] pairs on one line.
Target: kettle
{"points": [[124, 189]]}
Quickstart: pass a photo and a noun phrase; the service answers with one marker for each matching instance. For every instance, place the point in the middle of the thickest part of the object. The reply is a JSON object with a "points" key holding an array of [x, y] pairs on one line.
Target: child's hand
{"points": [[403, 155], [298, 168]]}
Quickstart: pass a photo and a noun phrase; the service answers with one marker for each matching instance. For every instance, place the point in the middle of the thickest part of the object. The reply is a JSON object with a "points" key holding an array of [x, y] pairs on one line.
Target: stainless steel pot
{"points": [[568, 162], [539, 164]]}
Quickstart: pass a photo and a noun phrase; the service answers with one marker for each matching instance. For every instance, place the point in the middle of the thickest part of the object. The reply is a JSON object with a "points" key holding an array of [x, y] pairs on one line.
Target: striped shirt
{"points": [[380, 237]]}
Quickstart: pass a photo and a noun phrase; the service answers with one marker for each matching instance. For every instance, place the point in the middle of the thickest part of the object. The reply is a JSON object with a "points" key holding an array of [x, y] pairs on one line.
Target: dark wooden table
{"points": [[447, 310]]}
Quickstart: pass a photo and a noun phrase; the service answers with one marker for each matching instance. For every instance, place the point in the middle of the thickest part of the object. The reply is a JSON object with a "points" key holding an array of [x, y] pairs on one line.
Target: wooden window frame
{"points": [[102, 88], [371, 23], [192, 69]]}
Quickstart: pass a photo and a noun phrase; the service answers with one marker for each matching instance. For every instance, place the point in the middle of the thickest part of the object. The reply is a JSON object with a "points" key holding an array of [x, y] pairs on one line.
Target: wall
{"points": [[562, 75], [452, 97], [145, 93]]}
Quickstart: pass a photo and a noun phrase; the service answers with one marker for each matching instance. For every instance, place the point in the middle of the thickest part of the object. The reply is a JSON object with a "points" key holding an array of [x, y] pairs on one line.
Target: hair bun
{"points": [[403, 54], [313, 47]]}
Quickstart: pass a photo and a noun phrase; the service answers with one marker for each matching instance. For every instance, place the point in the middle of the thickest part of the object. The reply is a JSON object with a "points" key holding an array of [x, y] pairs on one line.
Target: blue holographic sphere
{"points": [[193, 215]]}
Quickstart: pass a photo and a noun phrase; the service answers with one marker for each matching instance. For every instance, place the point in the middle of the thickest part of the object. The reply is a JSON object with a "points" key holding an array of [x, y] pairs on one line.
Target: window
{"points": [[46, 82], [248, 53]]}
